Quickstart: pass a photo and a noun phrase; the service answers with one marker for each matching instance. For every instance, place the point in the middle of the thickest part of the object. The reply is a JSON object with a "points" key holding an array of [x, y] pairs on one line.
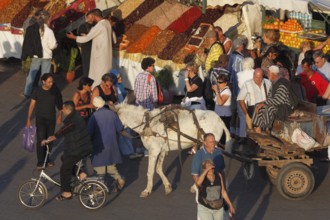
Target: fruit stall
{"points": [[300, 25]]}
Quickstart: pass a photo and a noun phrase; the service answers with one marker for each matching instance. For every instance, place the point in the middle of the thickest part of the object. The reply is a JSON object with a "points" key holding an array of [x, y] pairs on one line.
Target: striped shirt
{"points": [[144, 91]]}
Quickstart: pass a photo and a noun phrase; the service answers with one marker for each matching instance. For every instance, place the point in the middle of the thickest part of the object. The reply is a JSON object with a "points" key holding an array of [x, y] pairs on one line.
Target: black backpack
{"points": [[208, 93]]}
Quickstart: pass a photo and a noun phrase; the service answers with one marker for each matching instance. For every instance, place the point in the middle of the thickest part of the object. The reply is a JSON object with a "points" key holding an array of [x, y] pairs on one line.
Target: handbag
{"points": [[29, 137]]}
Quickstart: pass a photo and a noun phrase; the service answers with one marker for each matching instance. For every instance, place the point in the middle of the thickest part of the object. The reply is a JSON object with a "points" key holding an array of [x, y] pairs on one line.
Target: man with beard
{"points": [[101, 55]]}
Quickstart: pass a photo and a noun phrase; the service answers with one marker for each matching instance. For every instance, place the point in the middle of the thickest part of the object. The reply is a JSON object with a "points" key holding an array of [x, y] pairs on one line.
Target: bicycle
{"points": [[92, 192]]}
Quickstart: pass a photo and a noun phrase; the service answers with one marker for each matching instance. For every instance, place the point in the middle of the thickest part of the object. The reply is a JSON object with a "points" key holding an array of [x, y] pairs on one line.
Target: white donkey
{"points": [[161, 141]]}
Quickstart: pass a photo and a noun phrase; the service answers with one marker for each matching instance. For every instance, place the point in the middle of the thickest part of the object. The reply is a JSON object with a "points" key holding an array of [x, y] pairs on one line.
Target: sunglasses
{"points": [[220, 82]]}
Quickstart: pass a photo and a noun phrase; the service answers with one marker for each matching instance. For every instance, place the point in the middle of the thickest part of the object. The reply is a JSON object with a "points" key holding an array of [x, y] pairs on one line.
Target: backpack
{"points": [[207, 89], [159, 91]]}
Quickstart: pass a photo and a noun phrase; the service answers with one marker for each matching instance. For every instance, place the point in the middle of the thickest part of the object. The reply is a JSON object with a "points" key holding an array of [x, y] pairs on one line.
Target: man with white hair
{"points": [[252, 92], [280, 102], [242, 77], [323, 66], [103, 126]]}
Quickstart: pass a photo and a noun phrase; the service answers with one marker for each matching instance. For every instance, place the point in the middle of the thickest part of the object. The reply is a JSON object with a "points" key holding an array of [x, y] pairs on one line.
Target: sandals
{"points": [[50, 164], [62, 198]]}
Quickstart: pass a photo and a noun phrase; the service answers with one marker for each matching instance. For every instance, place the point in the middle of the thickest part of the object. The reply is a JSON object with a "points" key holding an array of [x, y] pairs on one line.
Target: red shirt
{"points": [[314, 85]]}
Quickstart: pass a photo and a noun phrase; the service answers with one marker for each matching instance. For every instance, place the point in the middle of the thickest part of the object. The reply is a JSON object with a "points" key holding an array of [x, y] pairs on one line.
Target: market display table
{"points": [[10, 44]]}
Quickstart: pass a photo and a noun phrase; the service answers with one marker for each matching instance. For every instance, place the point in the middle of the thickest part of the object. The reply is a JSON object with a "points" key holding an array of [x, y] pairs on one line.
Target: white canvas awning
{"points": [[290, 5], [296, 5], [225, 2]]}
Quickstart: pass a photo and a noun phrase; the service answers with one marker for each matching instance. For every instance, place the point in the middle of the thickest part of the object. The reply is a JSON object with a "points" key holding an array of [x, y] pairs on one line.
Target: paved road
{"points": [[253, 199]]}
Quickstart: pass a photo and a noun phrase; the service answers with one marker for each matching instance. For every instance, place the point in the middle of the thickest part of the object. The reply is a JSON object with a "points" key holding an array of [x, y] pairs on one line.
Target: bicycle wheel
{"points": [[92, 195], [32, 196]]}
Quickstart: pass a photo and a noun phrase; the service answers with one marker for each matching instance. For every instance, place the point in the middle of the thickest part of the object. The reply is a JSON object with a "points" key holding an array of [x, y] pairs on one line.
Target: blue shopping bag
{"points": [[29, 137]]}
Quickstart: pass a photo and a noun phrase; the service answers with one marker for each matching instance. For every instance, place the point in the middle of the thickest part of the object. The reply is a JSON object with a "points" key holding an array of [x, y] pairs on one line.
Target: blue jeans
{"points": [[34, 68], [204, 213]]}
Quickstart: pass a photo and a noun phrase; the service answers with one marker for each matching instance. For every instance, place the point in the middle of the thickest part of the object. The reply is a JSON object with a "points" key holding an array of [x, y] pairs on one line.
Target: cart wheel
{"points": [[272, 173], [295, 181], [32, 196], [92, 195]]}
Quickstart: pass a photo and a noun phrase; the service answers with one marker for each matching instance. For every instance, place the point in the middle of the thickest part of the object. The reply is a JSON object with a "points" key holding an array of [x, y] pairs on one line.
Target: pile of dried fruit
{"points": [[144, 41], [128, 6], [141, 10], [134, 32], [159, 43], [55, 6], [4, 3], [23, 14], [163, 15], [8, 13], [173, 46], [185, 21]]}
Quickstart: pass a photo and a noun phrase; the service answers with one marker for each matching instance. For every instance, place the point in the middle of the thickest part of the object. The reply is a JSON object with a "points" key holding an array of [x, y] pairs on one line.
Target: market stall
{"points": [[300, 26], [11, 43]]}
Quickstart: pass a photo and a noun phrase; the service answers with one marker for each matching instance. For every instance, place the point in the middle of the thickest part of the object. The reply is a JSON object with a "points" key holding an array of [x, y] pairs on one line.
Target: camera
{"points": [[255, 37]]}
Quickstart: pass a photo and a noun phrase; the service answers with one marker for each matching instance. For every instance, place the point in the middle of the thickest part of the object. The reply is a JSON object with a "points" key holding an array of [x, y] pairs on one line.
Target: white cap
{"points": [[98, 102], [274, 69]]}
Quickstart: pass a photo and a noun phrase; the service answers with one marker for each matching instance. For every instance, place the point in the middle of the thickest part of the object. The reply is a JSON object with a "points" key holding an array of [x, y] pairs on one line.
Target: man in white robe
{"points": [[101, 54]]}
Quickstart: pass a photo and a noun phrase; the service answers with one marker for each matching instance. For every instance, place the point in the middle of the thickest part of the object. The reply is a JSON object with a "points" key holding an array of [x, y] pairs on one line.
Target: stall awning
{"points": [[290, 5], [323, 5], [225, 2], [297, 5]]}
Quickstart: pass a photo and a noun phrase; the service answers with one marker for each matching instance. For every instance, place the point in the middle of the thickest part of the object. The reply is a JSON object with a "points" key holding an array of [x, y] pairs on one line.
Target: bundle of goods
{"points": [[144, 41], [163, 15], [173, 46], [132, 35], [185, 21], [54, 6], [26, 11], [4, 3], [141, 10], [7, 14], [159, 43], [128, 6], [72, 13]]}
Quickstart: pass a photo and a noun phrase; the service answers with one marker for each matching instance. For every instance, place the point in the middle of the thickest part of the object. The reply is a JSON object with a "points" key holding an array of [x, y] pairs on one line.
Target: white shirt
{"points": [[325, 70], [48, 43], [252, 93], [244, 76], [225, 109]]}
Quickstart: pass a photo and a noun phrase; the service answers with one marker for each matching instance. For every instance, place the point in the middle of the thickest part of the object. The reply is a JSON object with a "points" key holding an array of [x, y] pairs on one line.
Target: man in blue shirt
{"points": [[208, 151]]}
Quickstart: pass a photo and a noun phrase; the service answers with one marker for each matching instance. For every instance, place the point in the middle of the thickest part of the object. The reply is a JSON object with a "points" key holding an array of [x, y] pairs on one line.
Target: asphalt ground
{"points": [[253, 199]]}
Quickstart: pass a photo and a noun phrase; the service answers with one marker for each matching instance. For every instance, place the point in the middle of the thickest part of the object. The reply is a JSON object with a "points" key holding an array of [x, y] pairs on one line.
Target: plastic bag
{"points": [[303, 140], [29, 137]]}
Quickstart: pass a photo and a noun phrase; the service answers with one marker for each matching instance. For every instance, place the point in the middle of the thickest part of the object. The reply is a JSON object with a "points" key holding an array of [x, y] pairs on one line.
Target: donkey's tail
{"points": [[227, 133]]}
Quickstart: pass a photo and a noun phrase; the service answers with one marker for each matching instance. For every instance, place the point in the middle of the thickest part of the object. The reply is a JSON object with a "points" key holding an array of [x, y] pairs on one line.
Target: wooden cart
{"points": [[288, 165]]}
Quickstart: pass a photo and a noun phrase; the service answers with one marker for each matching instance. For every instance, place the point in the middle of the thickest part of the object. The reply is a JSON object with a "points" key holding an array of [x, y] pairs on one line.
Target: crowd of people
{"points": [[249, 89]]}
